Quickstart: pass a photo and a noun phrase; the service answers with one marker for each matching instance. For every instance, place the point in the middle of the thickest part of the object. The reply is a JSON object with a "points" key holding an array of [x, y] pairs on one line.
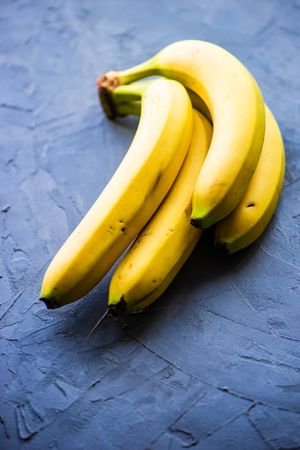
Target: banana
{"points": [[237, 110], [166, 242], [130, 198], [249, 219]]}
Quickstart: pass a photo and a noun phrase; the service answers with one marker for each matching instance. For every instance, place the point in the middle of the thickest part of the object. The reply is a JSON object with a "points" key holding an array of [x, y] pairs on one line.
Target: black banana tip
{"points": [[49, 302], [196, 223], [222, 247], [119, 308]]}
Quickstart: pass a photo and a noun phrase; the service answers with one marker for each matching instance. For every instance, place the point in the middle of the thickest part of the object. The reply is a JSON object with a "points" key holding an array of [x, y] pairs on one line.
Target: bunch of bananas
{"points": [[207, 151]]}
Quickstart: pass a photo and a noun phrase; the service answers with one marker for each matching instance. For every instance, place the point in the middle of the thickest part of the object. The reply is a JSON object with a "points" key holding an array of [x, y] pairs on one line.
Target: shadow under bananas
{"points": [[207, 267], [205, 273], [202, 270], [184, 319], [159, 329]]}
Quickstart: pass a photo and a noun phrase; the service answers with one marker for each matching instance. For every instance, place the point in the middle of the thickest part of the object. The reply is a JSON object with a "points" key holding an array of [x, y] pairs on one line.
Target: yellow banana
{"points": [[130, 198], [163, 246], [249, 219], [237, 110]]}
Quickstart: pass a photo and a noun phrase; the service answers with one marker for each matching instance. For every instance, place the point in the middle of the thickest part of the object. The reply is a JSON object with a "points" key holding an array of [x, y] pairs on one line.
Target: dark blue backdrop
{"points": [[216, 363]]}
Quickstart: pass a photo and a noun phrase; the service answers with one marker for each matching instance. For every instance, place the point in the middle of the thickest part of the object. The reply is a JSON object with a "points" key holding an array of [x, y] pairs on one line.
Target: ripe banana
{"points": [[237, 110], [243, 225], [166, 242], [130, 198], [249, 219]]}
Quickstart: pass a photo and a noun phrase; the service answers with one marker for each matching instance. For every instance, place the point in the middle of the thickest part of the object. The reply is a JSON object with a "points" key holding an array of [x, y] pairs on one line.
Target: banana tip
{"points": [[116, 309], [197, 223], [50, 302], [223, 247]]}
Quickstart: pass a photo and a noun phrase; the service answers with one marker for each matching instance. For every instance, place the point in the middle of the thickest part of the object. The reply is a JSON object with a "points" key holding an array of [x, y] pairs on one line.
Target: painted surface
{"points": [[216, 363]]}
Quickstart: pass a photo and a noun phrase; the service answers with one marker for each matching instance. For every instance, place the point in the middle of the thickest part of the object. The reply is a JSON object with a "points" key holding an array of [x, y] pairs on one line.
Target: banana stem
{"points": [[123, 107], [108, 83], [129, 92], [132, 108], [110, 97], [143, 70], [125, 100], [112, 87], [112, 79]]}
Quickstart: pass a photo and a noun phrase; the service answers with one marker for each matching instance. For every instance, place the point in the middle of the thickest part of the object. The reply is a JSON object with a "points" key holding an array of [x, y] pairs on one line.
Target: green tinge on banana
{"points": [[109, 98], [114, 101], [126, 100]]}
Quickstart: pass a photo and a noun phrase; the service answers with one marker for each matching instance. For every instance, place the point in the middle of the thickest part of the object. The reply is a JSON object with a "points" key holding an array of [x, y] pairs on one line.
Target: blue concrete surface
{"points": [[216, 363]]}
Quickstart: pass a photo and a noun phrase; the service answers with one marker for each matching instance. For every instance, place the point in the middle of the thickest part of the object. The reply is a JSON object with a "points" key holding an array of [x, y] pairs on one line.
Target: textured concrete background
{"points": [[216, 363]]}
